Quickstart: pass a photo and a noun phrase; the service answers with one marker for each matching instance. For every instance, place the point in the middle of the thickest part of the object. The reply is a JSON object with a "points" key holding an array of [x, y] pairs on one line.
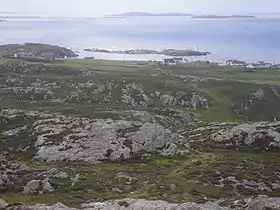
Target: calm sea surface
{"points": [[246, 39]]}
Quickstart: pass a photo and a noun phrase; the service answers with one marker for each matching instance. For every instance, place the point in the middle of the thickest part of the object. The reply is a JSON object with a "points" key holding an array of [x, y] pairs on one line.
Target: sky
{"points": [[107, 7]]}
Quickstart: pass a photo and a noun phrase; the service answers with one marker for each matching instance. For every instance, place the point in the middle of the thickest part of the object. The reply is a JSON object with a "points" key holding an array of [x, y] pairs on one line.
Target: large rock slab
{"points": [[56, 137]]}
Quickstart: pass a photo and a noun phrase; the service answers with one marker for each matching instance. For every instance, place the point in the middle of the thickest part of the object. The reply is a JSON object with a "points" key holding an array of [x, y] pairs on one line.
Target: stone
{"points": [[46, 186], [61, 175], [35, 187], [31, 188], [3, 204]]}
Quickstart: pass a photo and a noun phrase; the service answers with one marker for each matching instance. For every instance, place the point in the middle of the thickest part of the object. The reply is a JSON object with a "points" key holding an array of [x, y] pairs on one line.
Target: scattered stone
{"points": [[61, 175]]}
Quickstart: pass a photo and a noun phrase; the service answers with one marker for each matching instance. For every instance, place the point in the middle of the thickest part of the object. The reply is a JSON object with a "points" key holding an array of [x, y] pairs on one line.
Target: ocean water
{"points": [[245, 39]]}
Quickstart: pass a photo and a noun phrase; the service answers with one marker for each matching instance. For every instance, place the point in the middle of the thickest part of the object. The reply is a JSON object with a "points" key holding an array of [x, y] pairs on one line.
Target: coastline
{"points": [[165, 52], [133, 57]]}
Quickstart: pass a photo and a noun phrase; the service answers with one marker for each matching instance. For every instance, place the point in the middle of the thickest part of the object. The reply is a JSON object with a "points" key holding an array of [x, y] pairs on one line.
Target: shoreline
{"points": [[165, 52], [156, 57]]}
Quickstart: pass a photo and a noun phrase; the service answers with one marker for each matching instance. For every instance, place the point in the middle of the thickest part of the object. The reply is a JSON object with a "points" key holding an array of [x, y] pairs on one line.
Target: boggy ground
{"points": [[186, 100]]}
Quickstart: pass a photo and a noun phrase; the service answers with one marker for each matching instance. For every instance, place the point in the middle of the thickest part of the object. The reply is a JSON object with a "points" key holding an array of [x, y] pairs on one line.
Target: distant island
{"points": [[222, 16], [35, 51], [167, 52], [2, 20], [147, 14], [174, 14]]}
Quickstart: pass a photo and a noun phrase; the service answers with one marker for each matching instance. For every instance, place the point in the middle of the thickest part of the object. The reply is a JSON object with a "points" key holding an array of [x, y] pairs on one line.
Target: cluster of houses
{"points": [[31, 57], [174, 61], [232, 62], [260, 64]]}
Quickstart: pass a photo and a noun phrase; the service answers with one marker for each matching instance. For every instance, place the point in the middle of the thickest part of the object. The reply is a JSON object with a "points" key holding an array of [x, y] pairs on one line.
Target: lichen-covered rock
{"points": [[101, 140], [263, 134], [31, 188], [61, 138], [3, 204], [263, 203]]}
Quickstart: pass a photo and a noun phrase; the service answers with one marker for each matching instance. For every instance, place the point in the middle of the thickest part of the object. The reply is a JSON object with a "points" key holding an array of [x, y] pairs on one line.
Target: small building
{"points": [[89, 58], [178, 60], [173, 61], [236, 63], [169, 61]]}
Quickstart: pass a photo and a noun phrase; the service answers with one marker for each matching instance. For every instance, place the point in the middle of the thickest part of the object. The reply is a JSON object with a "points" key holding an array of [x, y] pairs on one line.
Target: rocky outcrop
{"points": [[258, 203], [61, 138], [250, 100], [263, 134], [263, 203], [103, 140], [86, 89], [165, 117]]}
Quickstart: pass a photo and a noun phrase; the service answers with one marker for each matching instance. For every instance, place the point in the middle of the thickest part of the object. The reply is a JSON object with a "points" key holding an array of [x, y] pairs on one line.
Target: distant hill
{"points": [[35, 49], [136, 14], [222, 16]]}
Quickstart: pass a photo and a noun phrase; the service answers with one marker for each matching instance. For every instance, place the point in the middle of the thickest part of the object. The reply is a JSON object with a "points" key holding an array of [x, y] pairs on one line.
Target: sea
{"points": [[250, 40]]}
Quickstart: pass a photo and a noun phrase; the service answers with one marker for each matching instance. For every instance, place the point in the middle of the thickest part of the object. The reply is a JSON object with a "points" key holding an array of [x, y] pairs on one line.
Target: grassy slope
{"points": [[172, 179]]}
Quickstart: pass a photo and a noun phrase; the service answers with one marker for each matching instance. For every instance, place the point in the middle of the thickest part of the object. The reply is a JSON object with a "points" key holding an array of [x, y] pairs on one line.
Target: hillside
{"points": [[84, 132]]}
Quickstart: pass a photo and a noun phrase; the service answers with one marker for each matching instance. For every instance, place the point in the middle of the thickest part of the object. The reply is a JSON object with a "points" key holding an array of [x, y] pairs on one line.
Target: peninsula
{"points": [[167, 52]]}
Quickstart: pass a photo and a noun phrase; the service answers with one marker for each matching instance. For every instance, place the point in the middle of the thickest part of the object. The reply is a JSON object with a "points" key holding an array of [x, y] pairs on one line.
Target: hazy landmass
{"points": [[19, 16], [135, 14], [168, 52], [146, 14], [221, 16]]}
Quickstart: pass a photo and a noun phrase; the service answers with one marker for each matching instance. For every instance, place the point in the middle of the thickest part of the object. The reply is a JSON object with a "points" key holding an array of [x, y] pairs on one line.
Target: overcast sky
{"points": [[106, 7]]}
